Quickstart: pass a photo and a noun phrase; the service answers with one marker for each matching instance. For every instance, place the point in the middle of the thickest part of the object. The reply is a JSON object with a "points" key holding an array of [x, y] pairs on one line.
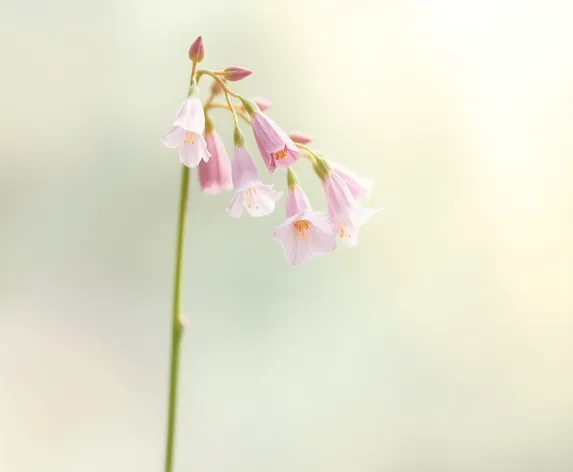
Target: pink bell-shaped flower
{"points": [[306, 233], [215, 174], [186, 133], [277, 149], [251, 194]]}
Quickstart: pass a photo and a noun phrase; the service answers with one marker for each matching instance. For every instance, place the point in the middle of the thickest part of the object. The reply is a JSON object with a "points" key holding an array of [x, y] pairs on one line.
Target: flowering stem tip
{"points": [[305, 232]]}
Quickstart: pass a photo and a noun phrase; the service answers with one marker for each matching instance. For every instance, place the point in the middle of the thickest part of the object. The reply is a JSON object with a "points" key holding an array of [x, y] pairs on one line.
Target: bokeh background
{"points": [[443, 342]]}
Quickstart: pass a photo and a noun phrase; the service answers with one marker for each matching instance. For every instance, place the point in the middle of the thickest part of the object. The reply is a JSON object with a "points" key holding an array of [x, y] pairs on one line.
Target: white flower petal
{"points": [[173, 137], [235, 208]]}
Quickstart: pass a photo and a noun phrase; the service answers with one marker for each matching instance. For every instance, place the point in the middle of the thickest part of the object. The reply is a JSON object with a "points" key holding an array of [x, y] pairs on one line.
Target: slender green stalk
{"points": [[176, 321]]}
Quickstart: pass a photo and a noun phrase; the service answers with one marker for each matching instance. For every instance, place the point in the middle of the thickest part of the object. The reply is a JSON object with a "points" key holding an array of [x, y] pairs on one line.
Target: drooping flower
{"points": [[345, 212], [250, 193], [306, 233], [186, 133], [277, 149], [360, 187], [215, 174]]}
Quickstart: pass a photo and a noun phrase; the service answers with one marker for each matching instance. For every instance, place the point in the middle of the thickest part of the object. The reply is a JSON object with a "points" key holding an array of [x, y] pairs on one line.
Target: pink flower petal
{"points": [[296, 201], [235, 208], [243, 169], [277, 149], [190, 154], [338, 196], [258, 199], [360, 216], [302, 240], [359, 187], [322, 242], [173, 137], [261, 200], [346, 224], [191, 116], [320, 219], [268, 133], [215, 174]]}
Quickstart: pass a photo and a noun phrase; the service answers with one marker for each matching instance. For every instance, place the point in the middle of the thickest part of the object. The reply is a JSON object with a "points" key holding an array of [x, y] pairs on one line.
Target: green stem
{"points": [[176, 321]]}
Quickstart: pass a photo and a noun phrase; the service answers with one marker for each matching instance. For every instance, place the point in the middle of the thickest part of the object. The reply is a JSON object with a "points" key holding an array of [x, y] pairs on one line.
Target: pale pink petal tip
{"points": [[299, 137], [197, 50], [191, 153], [263, 103], [257, 199], [173, 137], [360, 187], [235, 73]]}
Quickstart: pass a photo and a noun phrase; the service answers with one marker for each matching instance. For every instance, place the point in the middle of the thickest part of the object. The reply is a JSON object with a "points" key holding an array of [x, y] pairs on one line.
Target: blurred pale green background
{"points": [[443, 342]]}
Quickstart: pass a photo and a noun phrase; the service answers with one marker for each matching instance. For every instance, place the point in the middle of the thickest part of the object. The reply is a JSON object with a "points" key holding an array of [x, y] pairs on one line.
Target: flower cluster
{"points": [[306, 233]]}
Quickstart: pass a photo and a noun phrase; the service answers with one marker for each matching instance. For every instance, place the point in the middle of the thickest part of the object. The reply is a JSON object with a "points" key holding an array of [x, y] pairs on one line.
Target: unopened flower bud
{"points": [[197, 50], [234, 73], [299, 137], [262, 103], [292, 179], [216, 88]]}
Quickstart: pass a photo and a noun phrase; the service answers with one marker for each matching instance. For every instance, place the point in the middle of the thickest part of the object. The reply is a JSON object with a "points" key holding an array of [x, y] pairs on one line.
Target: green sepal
{"points": [[250, 106], [292, 179], [321, 167], [193, 90], [209, 124], [239, 137]]}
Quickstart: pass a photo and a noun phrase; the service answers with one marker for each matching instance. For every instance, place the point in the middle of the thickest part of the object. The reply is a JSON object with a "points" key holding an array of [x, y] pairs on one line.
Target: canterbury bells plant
{"points": [[305, 234]]}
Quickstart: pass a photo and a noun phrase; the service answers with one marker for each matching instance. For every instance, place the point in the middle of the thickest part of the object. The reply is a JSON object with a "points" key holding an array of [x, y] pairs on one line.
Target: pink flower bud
{"points": [[216, 88], [234, 73], [263, 103], [197, 50], [299, 137]]}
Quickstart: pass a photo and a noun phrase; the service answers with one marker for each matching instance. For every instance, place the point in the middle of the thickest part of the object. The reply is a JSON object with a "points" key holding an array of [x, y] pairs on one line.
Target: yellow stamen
{"points": [[251, 192], [301, 227], [189, 138], [280, 154], [343, 232]]}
